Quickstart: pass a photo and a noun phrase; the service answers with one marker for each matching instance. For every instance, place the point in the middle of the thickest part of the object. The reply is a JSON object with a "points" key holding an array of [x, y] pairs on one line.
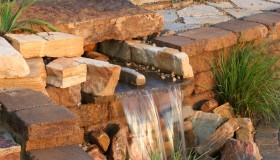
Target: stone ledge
{"points": [[96, 20], [246, 31]]}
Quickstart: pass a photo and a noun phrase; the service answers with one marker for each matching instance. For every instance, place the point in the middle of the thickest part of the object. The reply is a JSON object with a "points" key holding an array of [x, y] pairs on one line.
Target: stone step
{"points": [[35, 80], [47, 44], [37, 122], [71, 152], [132, 77], [269, 154], [12, 64], [9, 150], [268, 147]]}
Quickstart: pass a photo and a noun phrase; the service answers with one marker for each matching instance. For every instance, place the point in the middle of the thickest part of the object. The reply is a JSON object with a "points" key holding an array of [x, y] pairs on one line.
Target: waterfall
{"points": [[154, 119]]}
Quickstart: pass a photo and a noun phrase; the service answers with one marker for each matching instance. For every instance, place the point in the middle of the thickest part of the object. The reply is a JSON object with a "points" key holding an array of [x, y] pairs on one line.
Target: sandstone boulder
{"points": [[49, 44], [12, 64], [102, 77], [119, 145], [241, 150], [245, 131], [96, 55], [96, 154]]}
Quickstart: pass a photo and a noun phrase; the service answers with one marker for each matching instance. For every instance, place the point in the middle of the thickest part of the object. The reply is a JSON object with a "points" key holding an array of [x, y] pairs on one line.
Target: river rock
{"points": [[12, 64], [209, 105], [47, 44], [218, 139], [102, 77], [204, 124], [246, 129], [225, 110], [241, 150], [101, 139], [67, 97]]}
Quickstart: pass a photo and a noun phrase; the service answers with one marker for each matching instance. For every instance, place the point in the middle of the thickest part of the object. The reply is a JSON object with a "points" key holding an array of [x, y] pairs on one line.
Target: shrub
{"points": [[250, 81], [10, 15]]}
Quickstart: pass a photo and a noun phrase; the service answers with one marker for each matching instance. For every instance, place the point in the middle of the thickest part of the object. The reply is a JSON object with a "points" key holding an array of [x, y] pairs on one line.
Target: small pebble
{"points": [[128, 64], [173, 74], [153, 68], [178, 77], [174, 79], [154, 45], [163, 77], [158, 70]]}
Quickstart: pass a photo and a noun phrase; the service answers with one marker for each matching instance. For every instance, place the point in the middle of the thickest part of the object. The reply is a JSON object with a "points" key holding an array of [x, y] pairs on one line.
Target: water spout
{"points": [[154, 118]]}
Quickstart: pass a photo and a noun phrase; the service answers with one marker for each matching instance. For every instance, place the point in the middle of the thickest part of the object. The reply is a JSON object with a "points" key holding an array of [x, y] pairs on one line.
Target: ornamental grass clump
{"points": [[249, 80], [10, 14]]}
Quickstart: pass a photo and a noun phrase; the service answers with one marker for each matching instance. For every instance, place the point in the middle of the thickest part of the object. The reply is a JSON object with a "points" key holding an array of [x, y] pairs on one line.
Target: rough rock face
{"points": [[97, 20], [102, 77], [241, 150], [119, 145], [95, 153], [9, 150], [12, 64]]}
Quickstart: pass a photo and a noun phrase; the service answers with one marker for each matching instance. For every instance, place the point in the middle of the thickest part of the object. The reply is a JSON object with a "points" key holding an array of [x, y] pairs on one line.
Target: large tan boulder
{"points": [[12, 64], [47, 44], [102, 77]]}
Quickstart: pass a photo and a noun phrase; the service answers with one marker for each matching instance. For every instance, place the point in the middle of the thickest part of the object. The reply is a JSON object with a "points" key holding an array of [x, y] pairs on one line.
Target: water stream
{"points": [[155, 123]]}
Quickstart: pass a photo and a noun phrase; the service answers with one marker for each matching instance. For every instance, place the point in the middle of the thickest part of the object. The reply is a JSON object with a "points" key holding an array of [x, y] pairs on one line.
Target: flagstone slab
{"points": [[198, 11], [206, 19], [239, 12], [222, 5], [12, 64], [50, 44], [255, 4], [97, 20], [169, 15]]}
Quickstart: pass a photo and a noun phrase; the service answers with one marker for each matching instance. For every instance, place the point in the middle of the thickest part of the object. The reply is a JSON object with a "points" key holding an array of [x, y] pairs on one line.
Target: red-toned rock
{"points": [[204, 81], [225, 110], [119, 145], [97, 20], [209, 105], [9, 150], [101, 139], [68, 97], [241, 150], [96, 55], [95, 153]]}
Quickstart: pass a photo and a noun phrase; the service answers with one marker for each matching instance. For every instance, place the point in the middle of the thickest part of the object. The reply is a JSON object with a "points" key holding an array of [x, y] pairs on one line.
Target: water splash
{"points": [[154, 118]]}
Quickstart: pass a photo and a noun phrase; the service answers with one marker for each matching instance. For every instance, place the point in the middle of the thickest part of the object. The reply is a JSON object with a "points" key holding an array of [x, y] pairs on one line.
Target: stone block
{"points": [[132, 77], [90, 114], [246, 31], [183, 44], [95, 153], [235, 149], [20, 99], [204, 81], [59, 153], [173, 61], [49, 44], [218, 139], [213, 38], [35, 80], [198, 11], [204, 124], [102, 77], [225, 110], [245, 131], [9, 149], [270, 20], [206, 20], [12, 64], [66, 72], [68, 97], [65, 67], [116, 49]]}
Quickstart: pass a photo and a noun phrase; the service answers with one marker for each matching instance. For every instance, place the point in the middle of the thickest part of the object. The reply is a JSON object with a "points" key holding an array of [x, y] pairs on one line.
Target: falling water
{"points": [[155, 123]]}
